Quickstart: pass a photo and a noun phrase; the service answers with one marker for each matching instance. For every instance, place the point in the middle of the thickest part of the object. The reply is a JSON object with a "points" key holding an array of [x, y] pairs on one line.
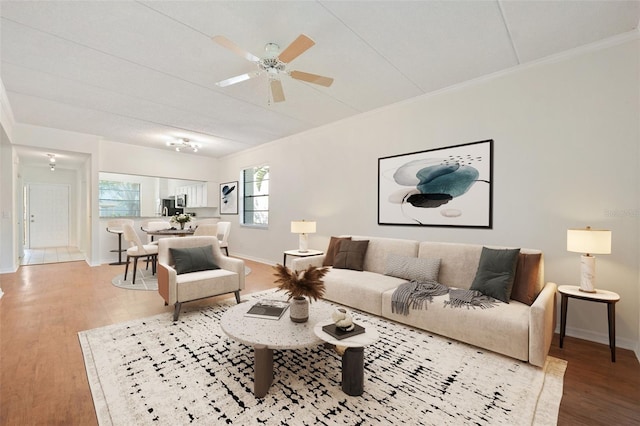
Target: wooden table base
{"points": [[353, 371], [262, 370]]}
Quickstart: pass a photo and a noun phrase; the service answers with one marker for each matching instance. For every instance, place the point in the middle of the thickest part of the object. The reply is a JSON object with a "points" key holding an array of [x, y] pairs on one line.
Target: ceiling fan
{"points": [[274, 65]]}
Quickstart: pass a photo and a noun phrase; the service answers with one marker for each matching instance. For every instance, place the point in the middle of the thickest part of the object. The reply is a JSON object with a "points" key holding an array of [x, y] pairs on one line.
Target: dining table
{"points": [[171, 232]]}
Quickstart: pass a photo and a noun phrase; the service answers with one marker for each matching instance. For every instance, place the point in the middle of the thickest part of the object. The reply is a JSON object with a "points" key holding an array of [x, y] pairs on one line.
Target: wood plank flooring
{"points": [[43, 379]]}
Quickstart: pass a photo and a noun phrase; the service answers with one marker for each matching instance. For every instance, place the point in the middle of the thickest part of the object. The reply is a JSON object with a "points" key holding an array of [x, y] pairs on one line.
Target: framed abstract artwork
{"points": [[450, 186], [229, 198]]}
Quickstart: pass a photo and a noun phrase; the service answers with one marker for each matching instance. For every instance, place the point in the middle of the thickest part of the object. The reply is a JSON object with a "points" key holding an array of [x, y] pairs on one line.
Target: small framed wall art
{"points": [[229, 198], [450, 186]]}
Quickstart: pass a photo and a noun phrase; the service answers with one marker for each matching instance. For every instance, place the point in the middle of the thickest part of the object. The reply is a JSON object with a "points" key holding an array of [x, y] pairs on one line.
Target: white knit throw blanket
{"points": [[414, 294]]}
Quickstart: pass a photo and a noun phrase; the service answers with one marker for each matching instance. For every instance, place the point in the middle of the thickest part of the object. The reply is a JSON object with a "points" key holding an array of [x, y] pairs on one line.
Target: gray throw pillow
{"points": [[496, 272], [412, 268], [193, 259], [351, 255]]}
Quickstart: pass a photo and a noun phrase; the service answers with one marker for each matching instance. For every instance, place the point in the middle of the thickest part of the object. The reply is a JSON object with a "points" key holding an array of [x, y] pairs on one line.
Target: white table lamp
{"points": [[589, 242], [303, 228]]}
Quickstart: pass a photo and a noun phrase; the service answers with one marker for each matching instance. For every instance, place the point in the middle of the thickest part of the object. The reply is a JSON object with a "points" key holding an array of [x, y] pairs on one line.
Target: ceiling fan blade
{"points": [[225, 42], [312, 78], [237, 79], [276, 91], [295, 49]]}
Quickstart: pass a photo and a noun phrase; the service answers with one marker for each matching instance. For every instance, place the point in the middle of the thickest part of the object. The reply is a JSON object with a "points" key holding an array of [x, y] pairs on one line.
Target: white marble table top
{"points": [[274, 334], [367, 338], [599, 295]]}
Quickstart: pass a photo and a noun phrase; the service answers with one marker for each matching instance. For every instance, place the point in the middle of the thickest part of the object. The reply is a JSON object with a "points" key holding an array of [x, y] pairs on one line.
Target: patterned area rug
{"points": [[145, 280], [155, 371]]}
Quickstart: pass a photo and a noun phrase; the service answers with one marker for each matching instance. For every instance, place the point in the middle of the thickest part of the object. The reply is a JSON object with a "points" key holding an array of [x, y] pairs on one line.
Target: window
{"points": [[255, 196], [117, 199]]}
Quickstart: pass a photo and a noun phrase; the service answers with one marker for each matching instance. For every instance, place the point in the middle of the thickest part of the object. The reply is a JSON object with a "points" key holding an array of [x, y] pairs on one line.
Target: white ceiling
{"points": [[141, 72]]}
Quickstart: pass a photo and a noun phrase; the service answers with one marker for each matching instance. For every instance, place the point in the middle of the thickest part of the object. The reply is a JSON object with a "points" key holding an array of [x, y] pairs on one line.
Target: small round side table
{"points": [[353, 357], [298, 253], [601, 296]]}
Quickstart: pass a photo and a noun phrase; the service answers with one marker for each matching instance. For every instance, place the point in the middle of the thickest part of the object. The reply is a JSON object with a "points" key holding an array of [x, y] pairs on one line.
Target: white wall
{"points": [[8, 241], [117, 157], [8, 250], [566, 155]]}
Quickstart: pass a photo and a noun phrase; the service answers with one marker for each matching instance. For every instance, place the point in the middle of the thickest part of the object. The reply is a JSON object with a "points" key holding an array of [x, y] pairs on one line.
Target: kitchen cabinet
{"points": [[198, 195]]}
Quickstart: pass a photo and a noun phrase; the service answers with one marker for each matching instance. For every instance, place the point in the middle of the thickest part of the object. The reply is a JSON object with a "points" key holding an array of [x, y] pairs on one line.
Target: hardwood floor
{"points": [[43, 379]]}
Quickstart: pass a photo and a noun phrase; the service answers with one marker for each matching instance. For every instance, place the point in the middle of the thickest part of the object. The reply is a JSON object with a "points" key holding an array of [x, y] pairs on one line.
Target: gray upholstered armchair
{"points": [[186, 274]]}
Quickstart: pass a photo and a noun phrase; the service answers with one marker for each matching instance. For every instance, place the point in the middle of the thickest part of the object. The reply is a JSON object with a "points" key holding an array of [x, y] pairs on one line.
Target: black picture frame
{"points": [[444, 187]]}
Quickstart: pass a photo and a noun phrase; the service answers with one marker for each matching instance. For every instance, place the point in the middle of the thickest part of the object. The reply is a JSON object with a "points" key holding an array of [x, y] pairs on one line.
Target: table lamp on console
{"points": [[303, 228], [589, 242]]}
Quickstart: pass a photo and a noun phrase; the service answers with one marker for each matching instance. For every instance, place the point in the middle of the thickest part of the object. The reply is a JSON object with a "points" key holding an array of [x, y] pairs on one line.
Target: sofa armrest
{"points": [[302, 263], [233, 265], [167, 283], [542, 324]]}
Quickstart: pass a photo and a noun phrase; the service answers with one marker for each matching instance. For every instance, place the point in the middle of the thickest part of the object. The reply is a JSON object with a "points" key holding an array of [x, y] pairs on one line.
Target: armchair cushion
{"points": [[193, 259]]}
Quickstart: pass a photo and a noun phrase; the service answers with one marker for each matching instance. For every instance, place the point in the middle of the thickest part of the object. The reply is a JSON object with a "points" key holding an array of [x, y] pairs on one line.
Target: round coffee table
{"points": [[265, 335], [353, 357]]}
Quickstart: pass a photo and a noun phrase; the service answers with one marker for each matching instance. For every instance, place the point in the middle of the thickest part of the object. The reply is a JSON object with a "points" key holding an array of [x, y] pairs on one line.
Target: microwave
{"points": [[181, 200]]}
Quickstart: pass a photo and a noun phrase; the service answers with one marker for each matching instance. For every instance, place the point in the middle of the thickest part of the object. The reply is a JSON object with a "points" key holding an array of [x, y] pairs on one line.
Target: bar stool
{"points": [[115, 227]]}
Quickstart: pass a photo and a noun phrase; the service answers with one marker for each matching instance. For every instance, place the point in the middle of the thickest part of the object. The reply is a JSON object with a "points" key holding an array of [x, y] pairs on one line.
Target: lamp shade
{"points": [[303, 227], [590, 241]]}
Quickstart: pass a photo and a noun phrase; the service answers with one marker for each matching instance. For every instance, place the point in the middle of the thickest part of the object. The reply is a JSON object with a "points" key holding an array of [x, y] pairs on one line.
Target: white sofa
{"points": [[514, 329]]}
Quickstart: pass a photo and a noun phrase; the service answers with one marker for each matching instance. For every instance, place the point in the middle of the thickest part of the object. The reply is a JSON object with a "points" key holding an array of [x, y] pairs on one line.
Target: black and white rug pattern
{"points": [[155, 371]]}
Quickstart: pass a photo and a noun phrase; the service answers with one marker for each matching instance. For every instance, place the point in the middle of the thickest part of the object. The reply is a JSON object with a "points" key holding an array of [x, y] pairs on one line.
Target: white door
{"points": [[48, 215]]}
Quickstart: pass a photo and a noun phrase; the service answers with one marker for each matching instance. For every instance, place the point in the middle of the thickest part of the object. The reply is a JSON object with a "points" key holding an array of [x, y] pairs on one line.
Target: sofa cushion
{"points": [[412, 268], [496, 272], [332, 250], [351, 255], [458, 262], [193, 259], [358, 289], [503, 328], [379, 248], [525, 284]]}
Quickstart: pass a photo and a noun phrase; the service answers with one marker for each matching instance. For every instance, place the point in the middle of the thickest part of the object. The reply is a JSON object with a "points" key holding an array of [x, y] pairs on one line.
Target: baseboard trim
{"points": [[602, 338], [255, 259]]}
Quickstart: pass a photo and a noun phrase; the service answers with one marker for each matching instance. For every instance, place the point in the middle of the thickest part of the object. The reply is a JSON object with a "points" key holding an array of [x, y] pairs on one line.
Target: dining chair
{"points": [[223, 235], [154, 225], [209, 221], [137, 250], [209, 230], [115, 227]]}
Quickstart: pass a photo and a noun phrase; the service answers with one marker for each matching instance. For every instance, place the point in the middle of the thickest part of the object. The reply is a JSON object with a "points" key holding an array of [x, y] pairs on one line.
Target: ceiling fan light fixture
{"points": [[274, 64], [272, 49]]}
